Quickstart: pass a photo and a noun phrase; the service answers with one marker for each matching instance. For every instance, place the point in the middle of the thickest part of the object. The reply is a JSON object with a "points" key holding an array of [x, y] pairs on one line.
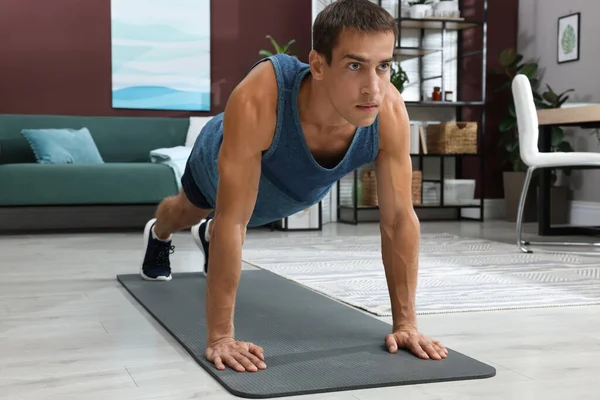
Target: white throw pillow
{"points": [[196, 125]]}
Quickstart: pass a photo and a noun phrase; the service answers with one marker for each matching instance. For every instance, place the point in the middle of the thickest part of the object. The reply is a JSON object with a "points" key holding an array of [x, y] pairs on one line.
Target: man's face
{"points": [[359, 75]]}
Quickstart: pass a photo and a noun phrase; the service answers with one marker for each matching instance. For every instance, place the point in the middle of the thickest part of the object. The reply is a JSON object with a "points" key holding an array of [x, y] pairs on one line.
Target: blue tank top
{"points": [[291, 179]]}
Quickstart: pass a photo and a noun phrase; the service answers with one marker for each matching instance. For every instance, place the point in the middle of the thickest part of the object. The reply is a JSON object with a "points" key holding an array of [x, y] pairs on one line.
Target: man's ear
{"points": [[317, 64]]}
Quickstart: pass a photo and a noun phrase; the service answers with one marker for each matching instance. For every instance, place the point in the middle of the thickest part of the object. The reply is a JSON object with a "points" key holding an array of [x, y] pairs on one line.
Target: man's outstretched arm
{"points": [[400, 228], [248, 125]]}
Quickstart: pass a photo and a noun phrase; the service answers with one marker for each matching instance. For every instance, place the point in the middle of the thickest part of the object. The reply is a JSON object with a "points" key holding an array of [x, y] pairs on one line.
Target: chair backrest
{"points": [[527, 121]]}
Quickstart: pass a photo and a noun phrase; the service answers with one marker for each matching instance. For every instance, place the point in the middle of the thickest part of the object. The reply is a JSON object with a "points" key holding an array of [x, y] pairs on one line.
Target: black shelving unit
{"points": [[283, 224], [442, 25]]}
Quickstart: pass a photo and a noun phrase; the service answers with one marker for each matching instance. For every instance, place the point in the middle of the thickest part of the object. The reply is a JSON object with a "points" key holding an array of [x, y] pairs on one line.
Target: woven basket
{"points": [[369, 188], [452, 138], [417, 183]]}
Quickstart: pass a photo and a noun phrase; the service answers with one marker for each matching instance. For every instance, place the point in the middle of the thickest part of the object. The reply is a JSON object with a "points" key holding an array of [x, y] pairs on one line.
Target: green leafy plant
{"points": [[511, 65], [278, 48], [398, 77]]}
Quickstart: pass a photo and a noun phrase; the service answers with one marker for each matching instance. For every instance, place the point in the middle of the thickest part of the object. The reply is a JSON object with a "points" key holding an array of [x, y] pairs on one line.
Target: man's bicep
{"points": [[239, 175], [245, 135]]}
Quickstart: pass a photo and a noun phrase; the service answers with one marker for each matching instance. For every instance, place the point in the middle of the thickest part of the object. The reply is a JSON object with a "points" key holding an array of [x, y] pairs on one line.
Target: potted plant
{"points": [[420, 9], [512, 64], [398, 77], [278, 48]]}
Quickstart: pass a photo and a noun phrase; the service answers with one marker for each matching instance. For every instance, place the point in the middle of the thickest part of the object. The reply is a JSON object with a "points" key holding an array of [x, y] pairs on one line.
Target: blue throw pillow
{"points": [[63, 146]]}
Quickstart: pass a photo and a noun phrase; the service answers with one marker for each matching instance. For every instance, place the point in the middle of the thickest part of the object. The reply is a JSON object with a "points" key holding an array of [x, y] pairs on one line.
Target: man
{"points": [[290, 131]]}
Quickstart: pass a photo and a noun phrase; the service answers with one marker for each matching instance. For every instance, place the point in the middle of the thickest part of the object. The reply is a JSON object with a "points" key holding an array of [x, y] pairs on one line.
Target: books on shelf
{"points": [[418, 143]]}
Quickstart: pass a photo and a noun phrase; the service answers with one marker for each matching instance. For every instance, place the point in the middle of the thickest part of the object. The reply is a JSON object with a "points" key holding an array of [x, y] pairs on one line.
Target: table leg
{"points": [[544, 183]]}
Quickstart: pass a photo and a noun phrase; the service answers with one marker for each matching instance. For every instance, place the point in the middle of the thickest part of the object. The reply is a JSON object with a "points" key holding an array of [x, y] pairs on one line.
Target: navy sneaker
{"points": [[156, 265], [199, 235]]}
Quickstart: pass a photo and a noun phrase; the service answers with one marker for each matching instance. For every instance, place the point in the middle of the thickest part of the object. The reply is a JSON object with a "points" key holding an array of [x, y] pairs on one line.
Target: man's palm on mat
{"points": [[241, 356], [246, 356], [419, 344]]}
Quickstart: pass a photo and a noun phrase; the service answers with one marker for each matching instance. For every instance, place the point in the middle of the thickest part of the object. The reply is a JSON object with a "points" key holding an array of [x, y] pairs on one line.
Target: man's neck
{"points": [[315, 109]]}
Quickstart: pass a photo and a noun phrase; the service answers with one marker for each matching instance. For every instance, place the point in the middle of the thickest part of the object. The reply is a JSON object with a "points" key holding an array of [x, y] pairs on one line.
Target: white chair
{"points": [[528, 132]]}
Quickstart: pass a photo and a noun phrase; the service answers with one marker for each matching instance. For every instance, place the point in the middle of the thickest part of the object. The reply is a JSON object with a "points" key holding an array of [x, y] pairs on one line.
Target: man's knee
{"points": [[189, 209], [182, 210]]}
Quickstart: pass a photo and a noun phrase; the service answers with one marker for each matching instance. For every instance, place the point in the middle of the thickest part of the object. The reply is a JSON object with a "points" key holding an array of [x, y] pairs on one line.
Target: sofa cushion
{"points": [[194, 128], [91, 184], [63, 146]]}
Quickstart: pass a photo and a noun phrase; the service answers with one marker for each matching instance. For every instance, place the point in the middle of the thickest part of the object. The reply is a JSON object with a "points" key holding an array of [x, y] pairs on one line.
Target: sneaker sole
{"points": [[147, 234], [195, 235]]}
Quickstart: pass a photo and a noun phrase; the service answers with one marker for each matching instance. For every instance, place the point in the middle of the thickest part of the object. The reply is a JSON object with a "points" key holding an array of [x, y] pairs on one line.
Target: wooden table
{"points": [[586, 117]]}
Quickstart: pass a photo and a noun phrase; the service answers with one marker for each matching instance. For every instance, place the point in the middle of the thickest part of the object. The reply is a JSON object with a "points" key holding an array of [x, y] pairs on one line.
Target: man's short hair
{"points": [[362, 15]]}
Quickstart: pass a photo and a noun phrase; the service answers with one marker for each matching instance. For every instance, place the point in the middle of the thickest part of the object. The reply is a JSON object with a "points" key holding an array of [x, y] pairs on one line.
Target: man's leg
{"points": [[173, 214], [176, 213]]}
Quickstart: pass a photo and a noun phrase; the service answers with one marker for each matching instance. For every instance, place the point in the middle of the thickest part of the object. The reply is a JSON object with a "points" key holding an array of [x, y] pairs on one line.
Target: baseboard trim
{"points": [[581, 213], [584, 213], [492, 209]]}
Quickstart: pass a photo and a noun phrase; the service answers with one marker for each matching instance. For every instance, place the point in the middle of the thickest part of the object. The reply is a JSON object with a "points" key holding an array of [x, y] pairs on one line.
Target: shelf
{"points": [[426, 43], [443, 103], [413, 52], [359, 207], [446, 206], [429, 206], [443, 155], [435, 23]]}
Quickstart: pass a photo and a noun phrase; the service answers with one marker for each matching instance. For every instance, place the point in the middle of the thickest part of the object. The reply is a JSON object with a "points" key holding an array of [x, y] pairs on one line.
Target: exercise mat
{"points": [[313, 344]]}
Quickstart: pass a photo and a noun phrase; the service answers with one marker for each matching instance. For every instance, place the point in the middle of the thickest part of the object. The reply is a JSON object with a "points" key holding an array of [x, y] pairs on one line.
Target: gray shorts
{"points": [[192, 191]]}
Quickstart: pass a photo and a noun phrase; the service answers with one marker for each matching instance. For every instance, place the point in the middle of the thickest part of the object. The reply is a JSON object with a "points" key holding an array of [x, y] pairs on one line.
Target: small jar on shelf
{"points": [[437, 94]]}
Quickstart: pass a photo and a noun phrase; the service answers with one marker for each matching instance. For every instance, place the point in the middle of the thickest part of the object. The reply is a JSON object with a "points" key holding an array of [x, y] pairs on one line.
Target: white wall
{"points": [[538, 32]]}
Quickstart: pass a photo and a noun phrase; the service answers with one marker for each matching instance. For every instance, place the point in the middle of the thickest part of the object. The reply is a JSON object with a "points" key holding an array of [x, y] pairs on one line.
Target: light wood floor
{"points": [[69, 331]]}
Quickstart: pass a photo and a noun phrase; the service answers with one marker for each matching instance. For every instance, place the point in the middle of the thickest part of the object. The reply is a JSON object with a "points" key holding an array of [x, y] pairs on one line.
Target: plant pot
{"points": [[446, 9], [513, 185], [418, 11]]}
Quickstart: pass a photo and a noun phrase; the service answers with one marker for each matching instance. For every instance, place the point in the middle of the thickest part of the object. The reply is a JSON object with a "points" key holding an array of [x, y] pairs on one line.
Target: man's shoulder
{"points": [[393, 118], [259, 84], [393, 106], [255, 96], [251, 110]]}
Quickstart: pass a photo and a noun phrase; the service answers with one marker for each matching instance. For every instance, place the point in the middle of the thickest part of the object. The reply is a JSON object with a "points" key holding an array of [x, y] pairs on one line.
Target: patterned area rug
{"points": [[456, 274]]}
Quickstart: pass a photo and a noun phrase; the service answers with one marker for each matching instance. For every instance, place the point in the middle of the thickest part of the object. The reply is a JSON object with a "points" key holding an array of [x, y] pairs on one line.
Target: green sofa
{"points": [[123, 192]]}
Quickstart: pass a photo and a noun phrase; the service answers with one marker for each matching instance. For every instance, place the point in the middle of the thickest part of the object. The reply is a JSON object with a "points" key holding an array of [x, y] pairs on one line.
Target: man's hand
{"points": [[421, 346], [241, 356]]}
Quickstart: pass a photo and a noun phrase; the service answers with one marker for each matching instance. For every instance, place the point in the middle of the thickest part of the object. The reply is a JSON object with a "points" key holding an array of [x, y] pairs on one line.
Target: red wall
{"points": [[55, 58], [55, 55], [502, 30]]}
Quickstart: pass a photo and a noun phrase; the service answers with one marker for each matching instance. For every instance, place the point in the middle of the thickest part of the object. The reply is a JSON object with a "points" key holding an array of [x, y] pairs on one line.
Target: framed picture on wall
{"points": [[160, 54], [568, 38]]}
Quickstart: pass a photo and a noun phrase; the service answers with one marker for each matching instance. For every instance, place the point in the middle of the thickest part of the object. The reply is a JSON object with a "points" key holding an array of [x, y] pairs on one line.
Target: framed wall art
{"points": [[161, 54], [569, 30]]}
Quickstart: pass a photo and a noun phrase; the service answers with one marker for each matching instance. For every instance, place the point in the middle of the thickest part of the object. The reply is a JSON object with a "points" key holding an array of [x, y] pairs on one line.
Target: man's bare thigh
{"points": [[190, 210]]}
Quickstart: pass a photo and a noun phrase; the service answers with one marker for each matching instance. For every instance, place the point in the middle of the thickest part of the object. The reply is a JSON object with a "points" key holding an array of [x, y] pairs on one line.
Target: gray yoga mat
{"points": [[313, 344]]}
